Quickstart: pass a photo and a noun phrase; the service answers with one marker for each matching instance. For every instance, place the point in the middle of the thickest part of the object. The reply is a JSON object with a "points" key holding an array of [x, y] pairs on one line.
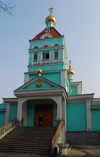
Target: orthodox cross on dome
{"points": [[51, 10], [69, 62]]}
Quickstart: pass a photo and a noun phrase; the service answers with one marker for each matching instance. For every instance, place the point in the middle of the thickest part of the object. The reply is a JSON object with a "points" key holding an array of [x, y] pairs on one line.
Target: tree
{"points": [[6, 7]]}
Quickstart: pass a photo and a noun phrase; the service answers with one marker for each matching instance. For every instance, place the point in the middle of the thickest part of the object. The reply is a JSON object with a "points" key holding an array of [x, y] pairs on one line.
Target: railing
{"points": [[4, 129], [45, 61], [57, 132], [59, 136], [56, 60]]}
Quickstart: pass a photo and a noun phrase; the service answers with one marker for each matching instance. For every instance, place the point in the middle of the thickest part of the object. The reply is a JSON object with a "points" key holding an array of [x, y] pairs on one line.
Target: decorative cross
{"points": [[51, 10], [69, 62]]}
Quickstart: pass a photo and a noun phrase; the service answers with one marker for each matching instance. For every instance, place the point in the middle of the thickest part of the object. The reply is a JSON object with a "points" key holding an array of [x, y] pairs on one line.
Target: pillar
{"points": [[88, 109], [64, 111], [7, 113], [25, 113], [19, 110]]}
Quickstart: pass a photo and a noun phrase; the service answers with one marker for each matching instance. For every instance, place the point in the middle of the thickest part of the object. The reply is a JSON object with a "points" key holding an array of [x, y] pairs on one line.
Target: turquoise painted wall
{"points": [[45, 85], [2, 118], [31, 106], [76, 116], [54, 77], [74, 89], [30, 113], [2, 106], [52, 41], [46, 68], [13, 112], [95, 119]]}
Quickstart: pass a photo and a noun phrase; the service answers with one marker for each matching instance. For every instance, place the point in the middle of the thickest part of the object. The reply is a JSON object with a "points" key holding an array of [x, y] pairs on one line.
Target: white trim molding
{"points": [[33, 47], [80, 97], [46, 35], [56, 44], [45, 44]]}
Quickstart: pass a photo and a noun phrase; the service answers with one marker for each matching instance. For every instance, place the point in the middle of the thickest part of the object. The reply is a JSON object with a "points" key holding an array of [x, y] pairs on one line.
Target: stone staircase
{"points": [[33, 140]]}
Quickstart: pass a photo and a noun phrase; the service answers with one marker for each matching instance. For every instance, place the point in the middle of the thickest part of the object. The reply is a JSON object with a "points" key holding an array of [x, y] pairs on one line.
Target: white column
{"points": [[63, 79], [19, 110], [88, 109], [59, 107], [7, 113], [25, 113], [64, 111]]}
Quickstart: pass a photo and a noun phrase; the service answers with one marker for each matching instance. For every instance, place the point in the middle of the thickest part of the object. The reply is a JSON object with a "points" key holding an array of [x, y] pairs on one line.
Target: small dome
{"points": [[50, 18], [70, 71], [39, 71]]}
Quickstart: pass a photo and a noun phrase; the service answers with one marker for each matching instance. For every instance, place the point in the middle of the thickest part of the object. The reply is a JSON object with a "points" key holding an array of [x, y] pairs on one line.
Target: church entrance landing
{"points": [[46, 110]]}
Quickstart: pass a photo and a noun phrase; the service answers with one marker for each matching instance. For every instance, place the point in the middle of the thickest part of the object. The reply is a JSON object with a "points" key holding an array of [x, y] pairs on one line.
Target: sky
{"points": [[77, 20]]}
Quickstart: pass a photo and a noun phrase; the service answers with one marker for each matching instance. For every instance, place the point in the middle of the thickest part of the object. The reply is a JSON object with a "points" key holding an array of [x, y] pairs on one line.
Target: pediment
{"points": [[38, 83]]}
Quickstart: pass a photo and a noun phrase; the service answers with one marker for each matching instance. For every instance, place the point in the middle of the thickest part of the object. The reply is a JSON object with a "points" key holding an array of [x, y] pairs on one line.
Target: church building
{"points": [[49, 88]]}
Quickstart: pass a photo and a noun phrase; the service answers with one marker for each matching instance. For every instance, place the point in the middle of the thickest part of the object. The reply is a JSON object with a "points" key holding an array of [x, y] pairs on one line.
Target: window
{"points": [[35, 57], [35, 47], [45, 55], [47, 108], [56, 44], [39, 108], [56, 54]]}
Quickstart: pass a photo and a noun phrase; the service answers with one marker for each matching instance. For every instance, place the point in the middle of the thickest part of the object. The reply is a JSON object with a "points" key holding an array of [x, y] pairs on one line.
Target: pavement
{"points": [[75, 151]]}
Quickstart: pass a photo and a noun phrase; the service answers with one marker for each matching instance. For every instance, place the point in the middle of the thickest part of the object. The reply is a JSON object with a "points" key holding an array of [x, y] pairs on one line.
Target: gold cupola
{"points": [[70, 71], [50, 18], [39, 71]]}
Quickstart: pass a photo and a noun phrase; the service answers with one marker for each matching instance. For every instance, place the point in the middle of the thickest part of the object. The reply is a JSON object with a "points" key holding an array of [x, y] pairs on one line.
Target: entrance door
{"points": [[47, 114]]}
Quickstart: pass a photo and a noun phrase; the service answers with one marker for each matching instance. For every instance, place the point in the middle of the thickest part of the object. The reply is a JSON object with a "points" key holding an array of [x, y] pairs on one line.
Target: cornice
{"points": [[37, 93], [44, 71], [45, 64], [80, 97], [44, 48], [96, 101], [47, 39], [95, 107], [10, 100], [75, 83]]}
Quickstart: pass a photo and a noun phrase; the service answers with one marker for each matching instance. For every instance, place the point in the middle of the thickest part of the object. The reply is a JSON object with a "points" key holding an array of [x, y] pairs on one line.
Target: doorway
{"points": [[46, 110]]}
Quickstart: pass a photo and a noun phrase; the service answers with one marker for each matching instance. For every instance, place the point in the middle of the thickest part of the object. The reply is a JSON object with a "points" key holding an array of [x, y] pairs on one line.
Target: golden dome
{"points": [[39, 71], [50, 18], [70, 71]]}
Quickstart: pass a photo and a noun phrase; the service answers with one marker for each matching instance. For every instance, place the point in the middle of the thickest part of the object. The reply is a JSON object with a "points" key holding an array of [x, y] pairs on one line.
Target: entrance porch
{"points": [[33, 108]]}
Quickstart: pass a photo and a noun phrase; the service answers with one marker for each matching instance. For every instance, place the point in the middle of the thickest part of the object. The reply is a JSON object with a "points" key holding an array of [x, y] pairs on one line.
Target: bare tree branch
{"points": [[6, 7]]}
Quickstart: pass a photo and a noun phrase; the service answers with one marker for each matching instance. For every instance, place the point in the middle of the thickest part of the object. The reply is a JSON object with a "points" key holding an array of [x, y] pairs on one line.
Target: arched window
{"points": [[56, 44], [35, 47], [46, 46]]}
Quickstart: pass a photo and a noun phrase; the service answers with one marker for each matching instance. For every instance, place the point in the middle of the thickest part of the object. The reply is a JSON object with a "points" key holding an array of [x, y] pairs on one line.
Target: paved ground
{"points": [[74, 152], [84, 151]]}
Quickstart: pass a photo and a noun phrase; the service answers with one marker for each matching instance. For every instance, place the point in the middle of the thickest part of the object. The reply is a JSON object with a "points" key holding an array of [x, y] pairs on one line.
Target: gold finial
{"points": [[70, 71], [39, 71], [50, 17]]}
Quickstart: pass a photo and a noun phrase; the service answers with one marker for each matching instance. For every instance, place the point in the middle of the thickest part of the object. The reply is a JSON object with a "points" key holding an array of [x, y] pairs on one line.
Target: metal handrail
{"points": [[57, 132], [7, 127]]}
